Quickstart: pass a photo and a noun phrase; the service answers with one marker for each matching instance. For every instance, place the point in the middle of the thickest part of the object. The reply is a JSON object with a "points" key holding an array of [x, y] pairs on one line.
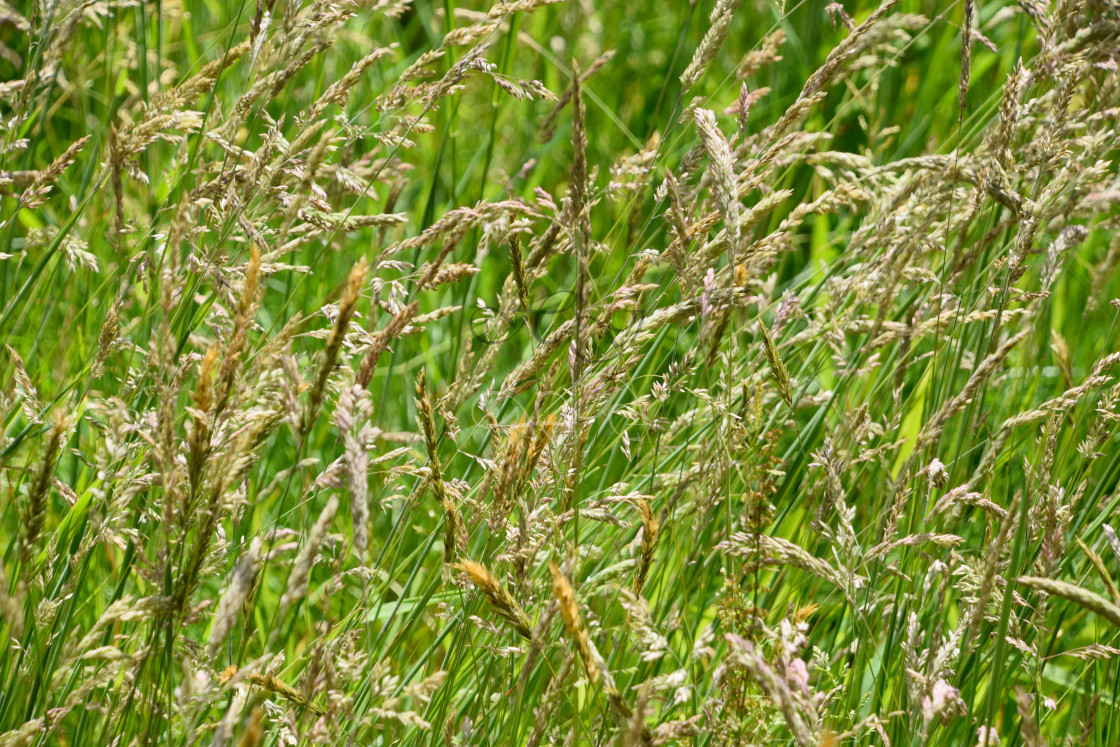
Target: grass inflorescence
{"points": [[543, 372]]}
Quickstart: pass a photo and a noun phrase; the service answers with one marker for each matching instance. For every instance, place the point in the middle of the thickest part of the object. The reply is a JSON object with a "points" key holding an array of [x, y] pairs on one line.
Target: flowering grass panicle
{"points": [[559, 373]]}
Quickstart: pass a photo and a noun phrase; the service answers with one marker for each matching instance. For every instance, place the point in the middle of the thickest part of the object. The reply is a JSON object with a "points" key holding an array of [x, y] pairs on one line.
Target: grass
{"points": [[389, 373]]}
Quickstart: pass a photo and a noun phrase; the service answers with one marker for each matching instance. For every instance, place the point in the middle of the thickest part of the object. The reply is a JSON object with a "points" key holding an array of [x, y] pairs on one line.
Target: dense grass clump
{"points": [[571, 373]]}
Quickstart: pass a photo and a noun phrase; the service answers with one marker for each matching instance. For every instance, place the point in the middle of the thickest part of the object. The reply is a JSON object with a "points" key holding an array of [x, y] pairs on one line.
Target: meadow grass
{"points": [[381, 372]]}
